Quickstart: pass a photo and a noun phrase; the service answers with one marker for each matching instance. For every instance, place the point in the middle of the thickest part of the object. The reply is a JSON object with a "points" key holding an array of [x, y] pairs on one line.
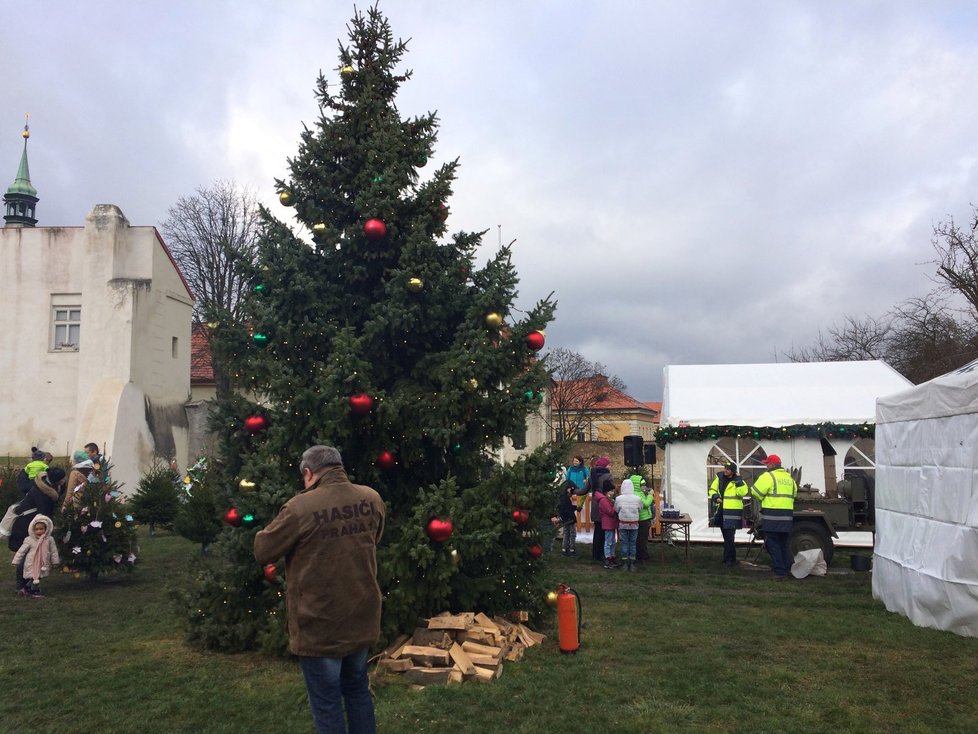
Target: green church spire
{"points": [[21, 196]]}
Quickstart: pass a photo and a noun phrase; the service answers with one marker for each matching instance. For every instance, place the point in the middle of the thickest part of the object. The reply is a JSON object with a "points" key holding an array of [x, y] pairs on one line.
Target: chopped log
{"points": [[473, 634], [504, 624], [394, 647], [480, 649], [451, 621], [485, 661], [515, 653], [455, 676], [462, 660], [427, 656], [426, 676], [431, 638], [396, 665], [484, 675], [535, 637], [487, 675], [487, 624]]}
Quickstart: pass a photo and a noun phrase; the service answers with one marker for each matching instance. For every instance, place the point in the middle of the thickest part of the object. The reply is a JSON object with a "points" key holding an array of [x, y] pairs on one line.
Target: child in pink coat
{"points": [[609, 520], [38, 553]]}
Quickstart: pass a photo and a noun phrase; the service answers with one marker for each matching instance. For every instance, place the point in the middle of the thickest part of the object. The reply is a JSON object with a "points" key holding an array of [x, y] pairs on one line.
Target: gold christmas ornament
{"points": [[246, 485], [212, 325], [471, 385], [494, 320], [415, 284], [319, 227], [347, 71], [456, 557], [552, 598], [285, 198]]}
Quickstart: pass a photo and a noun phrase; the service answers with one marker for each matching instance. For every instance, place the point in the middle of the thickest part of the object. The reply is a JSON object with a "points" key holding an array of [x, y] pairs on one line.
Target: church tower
{"points": [[21, 197]]}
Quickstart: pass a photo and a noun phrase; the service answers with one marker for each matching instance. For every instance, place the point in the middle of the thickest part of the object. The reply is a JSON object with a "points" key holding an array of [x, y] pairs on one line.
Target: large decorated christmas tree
{"points": [[371, 329]]}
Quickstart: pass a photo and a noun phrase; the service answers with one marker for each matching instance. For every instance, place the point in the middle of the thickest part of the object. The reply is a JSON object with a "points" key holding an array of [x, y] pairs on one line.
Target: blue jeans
{"points": [[778, 547], [333, 682], [609, 544], [628, 538]]}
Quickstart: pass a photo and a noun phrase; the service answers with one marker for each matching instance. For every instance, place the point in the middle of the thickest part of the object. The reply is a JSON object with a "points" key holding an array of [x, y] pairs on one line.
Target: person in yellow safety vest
{"points": [[727, 493], [776, 491]]}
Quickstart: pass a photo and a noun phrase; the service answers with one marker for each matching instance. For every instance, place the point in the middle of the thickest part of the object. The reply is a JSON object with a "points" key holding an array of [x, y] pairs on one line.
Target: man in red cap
{"points": [[776, 491]]}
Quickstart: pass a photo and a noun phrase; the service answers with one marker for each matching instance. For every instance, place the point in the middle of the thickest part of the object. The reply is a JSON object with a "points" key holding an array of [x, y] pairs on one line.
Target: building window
{"points": [[173, 348], [66, 327]]}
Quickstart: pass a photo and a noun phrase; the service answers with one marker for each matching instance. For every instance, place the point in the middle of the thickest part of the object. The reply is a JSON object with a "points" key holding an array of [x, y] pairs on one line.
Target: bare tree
{"points": [[928, 340], [853, 340], [207, 233], [957, 260], [578, 386]]}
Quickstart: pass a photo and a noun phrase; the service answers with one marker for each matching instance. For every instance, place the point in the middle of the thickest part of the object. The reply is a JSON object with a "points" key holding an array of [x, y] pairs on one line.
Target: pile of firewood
{"points": [[458, 647]]}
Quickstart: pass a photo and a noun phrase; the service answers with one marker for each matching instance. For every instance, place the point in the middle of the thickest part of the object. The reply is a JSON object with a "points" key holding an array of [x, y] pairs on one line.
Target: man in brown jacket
{"points": [[328, 534]]}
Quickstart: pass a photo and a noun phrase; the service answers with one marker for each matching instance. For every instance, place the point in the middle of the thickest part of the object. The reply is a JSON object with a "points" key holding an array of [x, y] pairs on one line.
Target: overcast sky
{"points": [[699, 182]]}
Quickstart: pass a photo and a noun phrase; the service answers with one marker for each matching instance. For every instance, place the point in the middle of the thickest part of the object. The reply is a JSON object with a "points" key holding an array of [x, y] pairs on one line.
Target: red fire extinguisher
{"points": [[568, 619]]}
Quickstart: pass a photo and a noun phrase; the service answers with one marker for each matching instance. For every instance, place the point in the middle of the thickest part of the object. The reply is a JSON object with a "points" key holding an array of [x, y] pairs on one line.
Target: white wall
{"points": [[133, 303]]}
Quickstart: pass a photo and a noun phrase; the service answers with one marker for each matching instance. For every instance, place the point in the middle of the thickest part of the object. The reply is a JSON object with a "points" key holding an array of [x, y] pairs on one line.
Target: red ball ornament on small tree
{"points": [[233, 518], [375, 229], [386, 460], [270, 572], [535, 340], [535, 551], [361, 403], [439, 530], [521, 517], [255, 424]]}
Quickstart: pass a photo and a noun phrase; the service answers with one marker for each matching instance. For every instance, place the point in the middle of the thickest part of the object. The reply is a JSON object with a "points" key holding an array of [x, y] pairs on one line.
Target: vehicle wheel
{"points": [[811, 535]]}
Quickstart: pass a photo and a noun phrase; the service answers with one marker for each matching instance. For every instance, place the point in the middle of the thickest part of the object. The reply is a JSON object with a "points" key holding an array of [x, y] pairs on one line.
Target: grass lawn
{"points": [[671, 648]]}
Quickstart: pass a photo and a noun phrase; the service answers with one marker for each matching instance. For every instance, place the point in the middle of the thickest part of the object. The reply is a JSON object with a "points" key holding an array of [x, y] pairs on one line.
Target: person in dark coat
{"points": [[595, 481], [42, 499]]}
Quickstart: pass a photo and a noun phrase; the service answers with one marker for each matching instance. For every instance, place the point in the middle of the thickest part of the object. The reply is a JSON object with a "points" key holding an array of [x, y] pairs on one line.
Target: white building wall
{"points": [[124, 377]]}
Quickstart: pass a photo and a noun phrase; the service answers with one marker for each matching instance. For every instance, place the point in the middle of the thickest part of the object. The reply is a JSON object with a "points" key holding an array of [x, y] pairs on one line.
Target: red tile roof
{"points": [[201, 370], [612, 399]]}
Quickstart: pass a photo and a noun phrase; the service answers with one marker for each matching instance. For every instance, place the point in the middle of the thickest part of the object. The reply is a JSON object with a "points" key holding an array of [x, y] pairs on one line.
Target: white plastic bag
{"points": [[7, 524], [809, 563]]}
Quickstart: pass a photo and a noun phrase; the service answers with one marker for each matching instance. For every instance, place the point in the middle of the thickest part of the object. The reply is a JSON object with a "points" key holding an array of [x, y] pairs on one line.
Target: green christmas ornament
{"points": [[260, 338], [260, 288]]}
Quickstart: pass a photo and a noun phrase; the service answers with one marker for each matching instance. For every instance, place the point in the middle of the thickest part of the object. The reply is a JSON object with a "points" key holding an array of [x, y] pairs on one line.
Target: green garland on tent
{"points": [[672, 434]]}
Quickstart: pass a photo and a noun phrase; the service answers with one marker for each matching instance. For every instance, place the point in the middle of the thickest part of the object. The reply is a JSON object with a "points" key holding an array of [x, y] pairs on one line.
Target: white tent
{"points": [[926, 558], [765, 396]]}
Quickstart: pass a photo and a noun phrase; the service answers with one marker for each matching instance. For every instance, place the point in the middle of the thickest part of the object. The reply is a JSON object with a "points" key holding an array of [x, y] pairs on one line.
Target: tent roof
{"points": [[955, 393], [780, 394]]}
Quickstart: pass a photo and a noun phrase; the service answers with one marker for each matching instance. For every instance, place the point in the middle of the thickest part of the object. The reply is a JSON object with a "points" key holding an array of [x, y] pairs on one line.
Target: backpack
{"points": [[24, 483]]}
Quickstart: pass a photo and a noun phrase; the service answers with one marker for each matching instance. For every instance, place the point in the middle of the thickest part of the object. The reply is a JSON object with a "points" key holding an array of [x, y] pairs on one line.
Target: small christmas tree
{"points": [[389, 342], [198, 519], [157, 499], [96, 532]]}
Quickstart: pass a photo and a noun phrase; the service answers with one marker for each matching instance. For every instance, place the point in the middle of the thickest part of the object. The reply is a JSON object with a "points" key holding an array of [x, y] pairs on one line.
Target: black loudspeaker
{"points": [[649, 453], [634, 455]]}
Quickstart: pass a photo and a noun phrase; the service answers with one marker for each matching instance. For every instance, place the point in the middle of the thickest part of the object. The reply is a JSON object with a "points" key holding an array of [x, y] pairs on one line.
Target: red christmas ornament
{"points": [[521, 517], [386, 460], [442, 212], [440, 530], [361, 403], [535, 551], [233, 518], [374, 229], [271, 573], [535, 340], [255, 423]]}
